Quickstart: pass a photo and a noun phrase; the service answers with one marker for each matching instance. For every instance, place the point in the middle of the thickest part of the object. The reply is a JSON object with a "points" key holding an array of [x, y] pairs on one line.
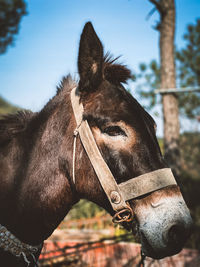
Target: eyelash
{"points": [[114, 131]]}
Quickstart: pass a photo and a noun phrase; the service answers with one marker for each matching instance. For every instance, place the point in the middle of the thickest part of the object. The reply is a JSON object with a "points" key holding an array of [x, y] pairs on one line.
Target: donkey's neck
{"points": [[43, 194], [46, 188]]}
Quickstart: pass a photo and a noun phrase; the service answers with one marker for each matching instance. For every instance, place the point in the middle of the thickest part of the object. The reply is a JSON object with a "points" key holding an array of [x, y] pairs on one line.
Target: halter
{"points": [[117, 194]]}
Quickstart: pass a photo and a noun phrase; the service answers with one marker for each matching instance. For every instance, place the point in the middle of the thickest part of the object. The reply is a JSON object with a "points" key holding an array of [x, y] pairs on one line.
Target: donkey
{"points": [[42, 177]]}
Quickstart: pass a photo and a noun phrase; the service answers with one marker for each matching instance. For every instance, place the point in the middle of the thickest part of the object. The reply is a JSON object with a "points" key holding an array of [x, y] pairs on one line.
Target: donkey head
{"points": [[125, 135]]}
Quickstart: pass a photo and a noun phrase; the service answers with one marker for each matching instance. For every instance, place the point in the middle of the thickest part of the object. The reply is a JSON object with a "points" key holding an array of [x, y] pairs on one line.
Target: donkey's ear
{"points": [[90, 59]]}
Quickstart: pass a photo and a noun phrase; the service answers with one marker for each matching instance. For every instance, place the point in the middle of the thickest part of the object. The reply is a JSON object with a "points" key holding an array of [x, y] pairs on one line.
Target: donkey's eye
{"points": [[114, 131]]}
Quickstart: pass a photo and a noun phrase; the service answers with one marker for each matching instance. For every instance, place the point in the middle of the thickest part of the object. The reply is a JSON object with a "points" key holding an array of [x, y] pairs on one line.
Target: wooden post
{"points": [[166, 28]]}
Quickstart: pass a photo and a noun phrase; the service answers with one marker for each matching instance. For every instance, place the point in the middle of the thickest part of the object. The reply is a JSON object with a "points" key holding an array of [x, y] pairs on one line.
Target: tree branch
{"points": [[151, 13], [158, 6]]}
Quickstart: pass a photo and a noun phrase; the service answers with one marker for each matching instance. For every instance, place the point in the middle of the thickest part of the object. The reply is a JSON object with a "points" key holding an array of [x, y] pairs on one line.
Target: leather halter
{"points": [[117, 194]]}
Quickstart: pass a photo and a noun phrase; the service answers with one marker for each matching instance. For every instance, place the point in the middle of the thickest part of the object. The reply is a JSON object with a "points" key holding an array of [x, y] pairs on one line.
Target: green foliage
{"points": [[187, 70], [189, 57], [161, 144], [150, 77], [189, 181], [6, 107], [85, 209], [190, 150], [190, 187], [11, 12]]}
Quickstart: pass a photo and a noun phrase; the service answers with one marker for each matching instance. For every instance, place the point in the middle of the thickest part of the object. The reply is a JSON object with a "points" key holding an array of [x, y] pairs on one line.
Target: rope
{"points": [[28, 262], [74, 155], [142, 261], [35, 261], [10, 243], [25, 258]]}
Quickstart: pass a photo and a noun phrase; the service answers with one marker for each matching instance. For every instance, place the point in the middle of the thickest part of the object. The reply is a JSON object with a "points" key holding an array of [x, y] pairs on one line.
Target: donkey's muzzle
{"points": [[173, 240], [164, 227]]}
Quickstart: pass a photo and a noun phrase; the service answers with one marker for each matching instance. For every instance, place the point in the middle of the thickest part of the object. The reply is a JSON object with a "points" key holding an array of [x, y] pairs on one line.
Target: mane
{"points": [[12, 124], [66, 83], [115, 72]]}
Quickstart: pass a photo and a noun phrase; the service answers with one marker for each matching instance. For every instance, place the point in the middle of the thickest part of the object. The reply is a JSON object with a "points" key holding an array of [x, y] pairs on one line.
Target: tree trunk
{"points": [[166, 27]]}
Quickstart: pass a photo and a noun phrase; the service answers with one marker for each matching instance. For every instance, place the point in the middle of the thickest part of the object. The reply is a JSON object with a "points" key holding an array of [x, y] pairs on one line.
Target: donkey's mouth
{"points": [[149, 251], [169, 245]]}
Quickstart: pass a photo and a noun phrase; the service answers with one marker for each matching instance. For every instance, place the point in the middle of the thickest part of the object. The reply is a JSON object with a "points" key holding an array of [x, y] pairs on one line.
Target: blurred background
{"points": [[39, 45]]}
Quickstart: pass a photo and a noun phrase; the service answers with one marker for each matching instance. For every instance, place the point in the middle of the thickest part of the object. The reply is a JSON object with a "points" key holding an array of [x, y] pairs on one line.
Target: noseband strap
{"points": [[117, 194]]}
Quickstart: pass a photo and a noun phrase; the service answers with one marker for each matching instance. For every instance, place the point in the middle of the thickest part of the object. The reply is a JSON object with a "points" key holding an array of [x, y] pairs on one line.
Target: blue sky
{"points": [[47, 45]]}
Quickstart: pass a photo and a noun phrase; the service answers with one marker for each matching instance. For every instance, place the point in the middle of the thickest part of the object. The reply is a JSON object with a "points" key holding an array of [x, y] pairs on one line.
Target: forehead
{"points": [[113, 103]]}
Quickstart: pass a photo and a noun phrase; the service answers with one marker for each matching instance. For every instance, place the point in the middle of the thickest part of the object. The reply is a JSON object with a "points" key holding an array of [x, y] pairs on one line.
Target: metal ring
{"points": [[124, 215]]}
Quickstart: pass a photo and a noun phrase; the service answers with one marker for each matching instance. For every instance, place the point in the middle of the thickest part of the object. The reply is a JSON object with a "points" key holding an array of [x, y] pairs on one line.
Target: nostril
{"points": [[177, 235]]}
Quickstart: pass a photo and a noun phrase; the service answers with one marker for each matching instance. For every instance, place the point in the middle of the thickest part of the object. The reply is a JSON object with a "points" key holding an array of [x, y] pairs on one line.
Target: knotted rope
{"points": [[10, 243]]}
